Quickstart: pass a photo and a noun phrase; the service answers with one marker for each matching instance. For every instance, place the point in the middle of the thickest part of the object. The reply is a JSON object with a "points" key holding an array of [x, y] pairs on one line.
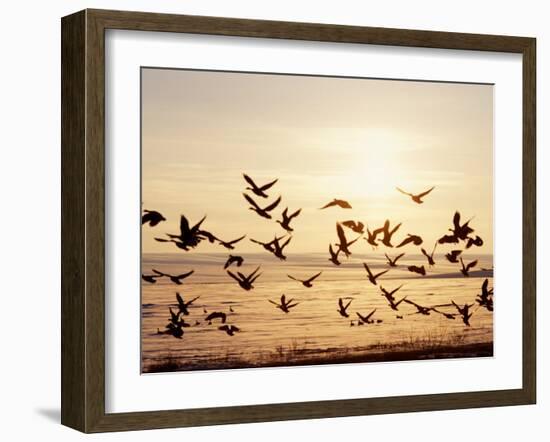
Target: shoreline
{"points": [[294, 358]]}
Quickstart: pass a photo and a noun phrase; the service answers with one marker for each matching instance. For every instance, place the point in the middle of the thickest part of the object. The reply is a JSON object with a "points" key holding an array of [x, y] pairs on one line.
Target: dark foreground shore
{"points": [[288, 357]]}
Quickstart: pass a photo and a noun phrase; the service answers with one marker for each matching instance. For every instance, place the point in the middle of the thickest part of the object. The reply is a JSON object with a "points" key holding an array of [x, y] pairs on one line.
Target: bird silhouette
{"points": [[229, 329], [452, 256], [278, 248], [152, 217], [173, 330], [421, 310], [285, 305], [416, 198], [258, 190], [461, 231], [485, 299], [336, 202], [393, 262], [466, 268], [373, 277], [415, 269], [448, 239], [189, 237], [265, 211], [245, 282], [371, 237], [216, 315], [233, 259], [365, 319], [269, 246], [152, 279], [464, 311], [477, 241], [285, 222], [334, 255], [344, 244], [230, 244], [356, 226], [386, 240], [391, 299], [342, 309], [306, 282], [429, 256], [184, 306], [176, 279], [415, 239]]}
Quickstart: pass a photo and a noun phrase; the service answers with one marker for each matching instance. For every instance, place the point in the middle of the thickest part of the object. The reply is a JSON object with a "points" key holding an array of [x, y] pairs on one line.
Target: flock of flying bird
{"points": [[189, 237]]}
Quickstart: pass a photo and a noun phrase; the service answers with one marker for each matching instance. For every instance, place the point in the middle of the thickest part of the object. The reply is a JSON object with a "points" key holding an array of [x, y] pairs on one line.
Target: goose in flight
{"points": [[389, 295], [216, 315], [393, 262], [448, 239], [183, 306], [173, 330], [306, 282], [464, 311], [429, 256], [334, 255], [371, 237], [416, 198], [415, 239], [229, 329], [342, 308], [466, 268], [233, 259], [176, 320], [391, 299], [477, 241], [278, 248], [386, 240], [258, 190], [365, 319], [230, 244], [189, 237], [245, 282], [461, 231], [421, 310], [262, 212], [356, 226], [485, 299], [285, 305], [152, 217], [452, 256], [336, 202], [344, 244], [285, 222], [176, 279], [152, 279], [373, 277], [415, 269], [269, 246]]}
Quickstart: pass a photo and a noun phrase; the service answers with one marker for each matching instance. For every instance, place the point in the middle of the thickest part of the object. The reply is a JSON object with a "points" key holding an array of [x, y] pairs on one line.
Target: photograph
{"points": [[299, 220]]}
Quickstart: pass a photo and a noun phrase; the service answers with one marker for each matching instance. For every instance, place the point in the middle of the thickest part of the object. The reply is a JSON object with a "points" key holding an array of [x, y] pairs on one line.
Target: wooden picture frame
{"points": [[83, 216]]}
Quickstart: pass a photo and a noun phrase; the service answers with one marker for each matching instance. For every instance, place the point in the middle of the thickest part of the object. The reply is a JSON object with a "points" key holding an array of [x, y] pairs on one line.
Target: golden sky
{"points": [[323, 138]]}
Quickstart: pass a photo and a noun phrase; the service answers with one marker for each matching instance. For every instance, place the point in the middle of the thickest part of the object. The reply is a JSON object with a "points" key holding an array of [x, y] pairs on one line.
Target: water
{"points": [[313, 329]]}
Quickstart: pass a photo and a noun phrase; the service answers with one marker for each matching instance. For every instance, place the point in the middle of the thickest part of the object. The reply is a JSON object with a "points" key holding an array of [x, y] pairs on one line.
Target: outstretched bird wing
{"points": [[235, 240], [185, 275], [272, 205], [420, 195], [250, 181], [381, 273], [268, 185], [235, 277], [403, 192], [314, 277], [292, 277], [251, 201], [471, 265]]}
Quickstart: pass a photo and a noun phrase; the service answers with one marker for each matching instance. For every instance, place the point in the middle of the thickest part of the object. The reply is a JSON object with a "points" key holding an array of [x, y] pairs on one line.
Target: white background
{"points": [[128, 391], [29, 174]]}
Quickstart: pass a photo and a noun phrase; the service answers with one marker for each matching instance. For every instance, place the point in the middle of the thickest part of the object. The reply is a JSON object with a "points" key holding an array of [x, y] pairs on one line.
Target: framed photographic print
{"points": [[292, 220]]}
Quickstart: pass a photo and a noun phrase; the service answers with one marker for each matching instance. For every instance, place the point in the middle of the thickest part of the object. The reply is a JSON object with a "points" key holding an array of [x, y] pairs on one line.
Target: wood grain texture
{"points": [[83, 217], [73, 212]]}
